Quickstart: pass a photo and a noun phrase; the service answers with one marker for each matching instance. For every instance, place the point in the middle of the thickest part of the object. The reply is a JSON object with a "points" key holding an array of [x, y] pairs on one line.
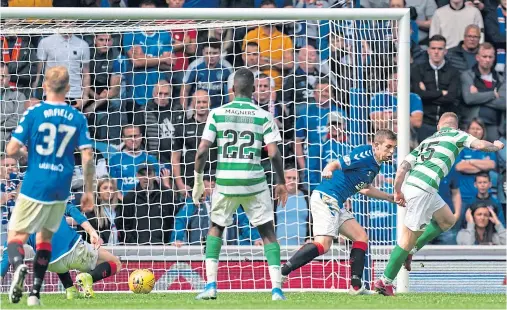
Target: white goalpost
{"points": [[359, 51]]}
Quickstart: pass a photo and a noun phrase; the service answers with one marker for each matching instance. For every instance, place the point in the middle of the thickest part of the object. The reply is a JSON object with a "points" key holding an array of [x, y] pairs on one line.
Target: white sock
{"points": [[211, 270], [275, 274]]}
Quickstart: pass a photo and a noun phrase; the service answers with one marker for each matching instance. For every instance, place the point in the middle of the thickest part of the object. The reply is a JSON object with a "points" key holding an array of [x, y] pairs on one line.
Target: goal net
{"points": [[146, 87]]}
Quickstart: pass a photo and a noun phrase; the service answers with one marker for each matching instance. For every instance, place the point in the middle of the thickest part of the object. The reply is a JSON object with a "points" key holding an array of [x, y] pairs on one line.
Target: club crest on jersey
{"points": [[346, 160], [361, 186]]}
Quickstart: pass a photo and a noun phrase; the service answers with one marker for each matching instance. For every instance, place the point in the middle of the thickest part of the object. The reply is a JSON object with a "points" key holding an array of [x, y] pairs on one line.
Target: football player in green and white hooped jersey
{"points": [[240, 129], [427, 214]]}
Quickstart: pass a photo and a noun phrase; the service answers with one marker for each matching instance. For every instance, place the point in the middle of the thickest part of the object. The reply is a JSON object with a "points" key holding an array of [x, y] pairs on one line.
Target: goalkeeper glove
{"points": [[198, 187]]}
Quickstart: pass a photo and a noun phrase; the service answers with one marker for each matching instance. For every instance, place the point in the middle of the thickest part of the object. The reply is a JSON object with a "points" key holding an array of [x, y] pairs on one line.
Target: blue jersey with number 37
{"points": [[358, 170], [51, 132]]}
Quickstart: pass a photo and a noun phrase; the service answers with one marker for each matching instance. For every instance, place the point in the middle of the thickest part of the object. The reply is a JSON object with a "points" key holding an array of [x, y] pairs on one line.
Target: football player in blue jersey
{"points": [[50, 131], [343, 178], [71, 252]]}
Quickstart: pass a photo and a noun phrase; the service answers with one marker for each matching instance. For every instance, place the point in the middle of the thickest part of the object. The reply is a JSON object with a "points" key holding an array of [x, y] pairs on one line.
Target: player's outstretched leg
{"points": [[443, 220], [213, 247], [384, 285], [272, 253], [16, 256], [306, 254], [106, 265], [352, 230], [70, 290]]}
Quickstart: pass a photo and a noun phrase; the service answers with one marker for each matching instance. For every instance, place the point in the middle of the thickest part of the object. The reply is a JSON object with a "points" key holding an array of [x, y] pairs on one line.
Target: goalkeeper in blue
{"points": [[70, 252], [51, 131], [341, 179]]}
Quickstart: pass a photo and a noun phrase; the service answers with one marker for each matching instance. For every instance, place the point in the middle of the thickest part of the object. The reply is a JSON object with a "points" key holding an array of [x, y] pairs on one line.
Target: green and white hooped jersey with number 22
{"points": [[241, 128]]}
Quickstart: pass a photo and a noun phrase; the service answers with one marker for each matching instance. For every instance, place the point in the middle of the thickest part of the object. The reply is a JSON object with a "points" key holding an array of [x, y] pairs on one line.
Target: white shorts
{"points": [[82, 257], [420, 207], [328, 216], [258, 208], [29, 216]]}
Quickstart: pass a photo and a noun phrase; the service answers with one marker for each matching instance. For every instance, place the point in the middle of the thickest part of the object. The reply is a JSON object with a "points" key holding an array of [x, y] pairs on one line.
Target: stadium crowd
{"points": [[329, 85]]}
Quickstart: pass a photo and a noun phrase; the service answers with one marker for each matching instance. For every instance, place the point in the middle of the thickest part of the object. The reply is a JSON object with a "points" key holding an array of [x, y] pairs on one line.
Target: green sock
{"points": [[213, 246], [272, 253], [430, 233], [396, 260]]}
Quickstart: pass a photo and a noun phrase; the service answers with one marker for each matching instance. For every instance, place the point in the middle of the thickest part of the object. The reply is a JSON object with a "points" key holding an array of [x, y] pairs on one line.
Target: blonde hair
{"points": [[448, 119], [56, 79], [98, 209]]}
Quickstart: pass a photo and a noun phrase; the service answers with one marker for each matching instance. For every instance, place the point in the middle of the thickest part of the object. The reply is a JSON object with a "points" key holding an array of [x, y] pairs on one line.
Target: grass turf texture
{"points": [[263, 301]]}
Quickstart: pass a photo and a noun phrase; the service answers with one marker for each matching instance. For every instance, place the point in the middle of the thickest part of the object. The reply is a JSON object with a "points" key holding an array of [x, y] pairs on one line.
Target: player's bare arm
{"points": [[486, 146], [327, 173], [373, 192], [200, 162], [398, 181], [15, 149], [277, 162], [89, 173]]}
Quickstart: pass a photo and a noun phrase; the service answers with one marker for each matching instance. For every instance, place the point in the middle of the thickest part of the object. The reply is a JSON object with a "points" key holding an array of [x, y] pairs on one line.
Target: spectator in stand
{"points": [[250, 57], [293, 221], [187, 137], [383, 109], [309, 29], [483, 227], [471, 162], [209, 74], [184, 42], [484, 91], [502, 174], [425, 10], [149, 210], [463, 56], [436, 83], [12, 107], [298, 86], [336, 142], [104, 108], [276, 49], [104, 216], [451, 20], [191, 223], [123, 166], [64, 49], [311, 129], [10, 182], [159, 118], [495, 28], [483, 185], [18, 53], [151, 56], [451, 194]]}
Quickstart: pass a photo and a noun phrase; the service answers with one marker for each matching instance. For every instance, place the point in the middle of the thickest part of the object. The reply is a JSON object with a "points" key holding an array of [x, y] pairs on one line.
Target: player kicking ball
{"points": [[427, 214], [70, 252], [341, 179], [240, 128], [50, 131]]}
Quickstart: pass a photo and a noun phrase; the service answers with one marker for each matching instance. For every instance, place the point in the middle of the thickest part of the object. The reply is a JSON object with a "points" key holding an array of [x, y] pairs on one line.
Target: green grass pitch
{"points": [[263, 301]]}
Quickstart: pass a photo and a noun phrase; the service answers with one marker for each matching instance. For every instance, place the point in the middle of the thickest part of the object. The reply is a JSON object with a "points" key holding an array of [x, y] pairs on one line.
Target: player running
{"points": [[240, 128], [426, 210], [343, 178], [51, 131], [71, 252]]}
